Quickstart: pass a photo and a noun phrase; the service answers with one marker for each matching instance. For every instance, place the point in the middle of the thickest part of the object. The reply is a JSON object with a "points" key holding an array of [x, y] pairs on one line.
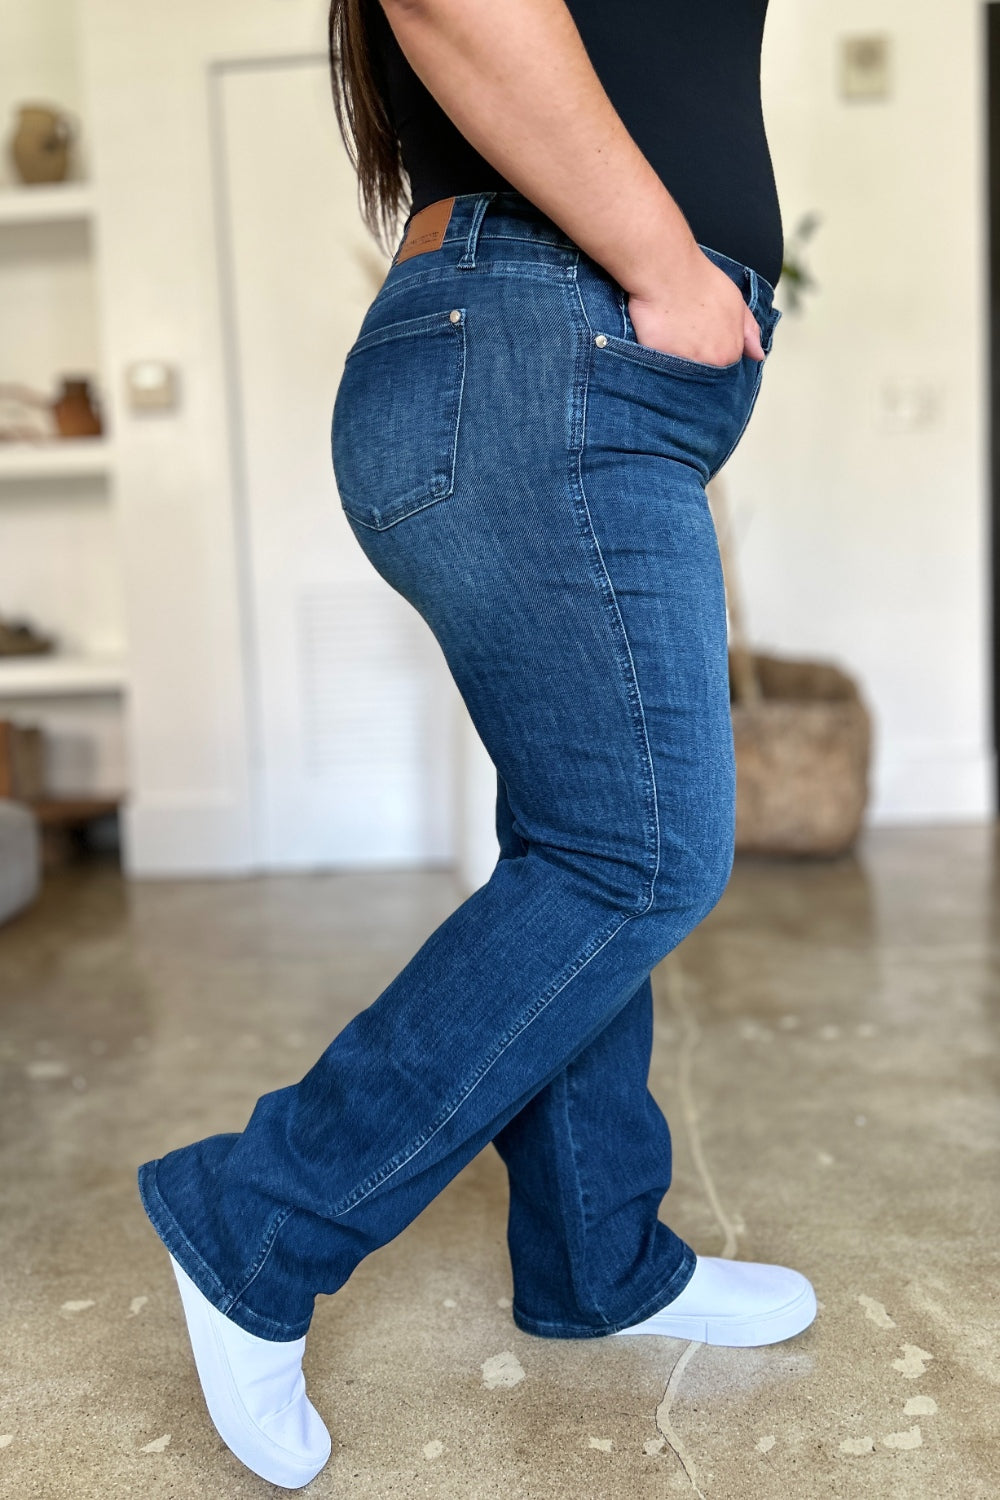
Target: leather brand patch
{"points": [[426, 230]]}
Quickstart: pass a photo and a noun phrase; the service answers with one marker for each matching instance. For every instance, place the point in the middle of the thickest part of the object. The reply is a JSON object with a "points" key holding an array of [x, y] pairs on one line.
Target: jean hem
{"points": [[666, 1292], [187, 1257]]}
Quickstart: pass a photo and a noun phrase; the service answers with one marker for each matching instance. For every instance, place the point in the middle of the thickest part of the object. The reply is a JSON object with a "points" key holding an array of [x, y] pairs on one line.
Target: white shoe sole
{"points": [[238, 1431], [736, 1332]]}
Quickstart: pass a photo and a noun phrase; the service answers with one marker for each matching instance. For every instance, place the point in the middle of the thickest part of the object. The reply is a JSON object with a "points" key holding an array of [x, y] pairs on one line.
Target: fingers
{"points": [[751, 337]]}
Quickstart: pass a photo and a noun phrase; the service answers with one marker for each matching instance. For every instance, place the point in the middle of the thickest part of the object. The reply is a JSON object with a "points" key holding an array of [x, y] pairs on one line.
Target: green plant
{"points": [[796, 278]]}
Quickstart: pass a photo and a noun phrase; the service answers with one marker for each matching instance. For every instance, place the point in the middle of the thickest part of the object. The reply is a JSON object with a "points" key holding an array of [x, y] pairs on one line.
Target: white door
{"points": [[355, 708]]}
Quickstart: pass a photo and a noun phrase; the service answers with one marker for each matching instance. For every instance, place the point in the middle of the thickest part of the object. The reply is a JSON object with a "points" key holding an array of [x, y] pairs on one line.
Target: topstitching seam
{"points": [[633, 685], [266, 1246], [521, 1025], [567, 1078], [152, 1186], [746, 421]]}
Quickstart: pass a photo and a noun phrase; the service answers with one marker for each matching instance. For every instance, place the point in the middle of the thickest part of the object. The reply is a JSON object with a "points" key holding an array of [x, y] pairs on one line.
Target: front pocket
{"points": [[671, 364], [396, 418], [629, 347]]}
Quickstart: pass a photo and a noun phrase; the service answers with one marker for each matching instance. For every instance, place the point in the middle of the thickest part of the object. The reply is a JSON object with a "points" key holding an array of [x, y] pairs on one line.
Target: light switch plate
{"points": [[151, 385], [865, 67]]}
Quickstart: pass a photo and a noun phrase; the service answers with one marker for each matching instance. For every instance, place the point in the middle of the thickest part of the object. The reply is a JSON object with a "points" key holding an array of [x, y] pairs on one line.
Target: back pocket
{"points": [[396, 418]]}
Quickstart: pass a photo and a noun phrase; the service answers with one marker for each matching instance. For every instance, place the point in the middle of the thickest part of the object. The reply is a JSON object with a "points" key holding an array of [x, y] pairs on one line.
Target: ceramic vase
{"points": [[75, 409], [41, 143]]}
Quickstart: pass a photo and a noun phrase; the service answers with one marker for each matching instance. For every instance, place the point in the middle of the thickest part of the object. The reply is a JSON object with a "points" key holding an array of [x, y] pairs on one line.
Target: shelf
{"points": [[69, 458], [60, 202], [61, 676]]}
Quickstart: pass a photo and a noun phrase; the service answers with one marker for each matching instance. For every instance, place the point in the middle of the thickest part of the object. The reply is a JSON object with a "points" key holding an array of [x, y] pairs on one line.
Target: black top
{"points": [[684, 75]]}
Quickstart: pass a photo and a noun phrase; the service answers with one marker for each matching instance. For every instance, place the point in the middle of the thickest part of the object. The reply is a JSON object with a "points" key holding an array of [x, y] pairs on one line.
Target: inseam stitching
{"points": [[267, 1245], [341, 1209], [575, 1157]]}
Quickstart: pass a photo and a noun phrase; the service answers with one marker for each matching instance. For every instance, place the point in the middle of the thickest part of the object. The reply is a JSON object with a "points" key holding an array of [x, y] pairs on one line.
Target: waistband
{"points": [[474, 216], [467, 218]]}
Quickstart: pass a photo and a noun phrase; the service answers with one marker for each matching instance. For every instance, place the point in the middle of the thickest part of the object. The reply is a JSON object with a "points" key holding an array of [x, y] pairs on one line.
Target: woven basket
{"points": [[802, 755]]}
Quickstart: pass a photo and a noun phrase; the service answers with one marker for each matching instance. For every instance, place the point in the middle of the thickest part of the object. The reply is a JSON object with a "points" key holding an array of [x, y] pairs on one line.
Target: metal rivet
{"points": [[601, 340], [455, 315]]}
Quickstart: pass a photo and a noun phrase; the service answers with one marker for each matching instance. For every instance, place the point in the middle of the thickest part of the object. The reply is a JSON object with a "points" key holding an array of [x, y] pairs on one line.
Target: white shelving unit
{"points": [[59, 554], [63, 202], [58, 676], [70, 458], [57, 529]]}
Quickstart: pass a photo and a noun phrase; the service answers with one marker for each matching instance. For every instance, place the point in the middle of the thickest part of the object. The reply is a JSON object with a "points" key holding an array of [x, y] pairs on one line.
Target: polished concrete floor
{"points": [[827, 1053]]}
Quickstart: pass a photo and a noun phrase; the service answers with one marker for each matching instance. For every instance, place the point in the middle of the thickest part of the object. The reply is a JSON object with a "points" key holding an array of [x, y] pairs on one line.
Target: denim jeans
{"points": [[532, 479]]}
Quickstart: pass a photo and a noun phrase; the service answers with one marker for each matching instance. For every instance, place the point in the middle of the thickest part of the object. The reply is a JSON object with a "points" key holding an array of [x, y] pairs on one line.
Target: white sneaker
{"points": [[736, 1303], [255, 1393]]}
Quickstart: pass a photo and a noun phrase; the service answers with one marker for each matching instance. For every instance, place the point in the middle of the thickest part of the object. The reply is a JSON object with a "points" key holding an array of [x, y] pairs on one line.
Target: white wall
{"points": [[354, 701], [856, 542], [146, 69]]}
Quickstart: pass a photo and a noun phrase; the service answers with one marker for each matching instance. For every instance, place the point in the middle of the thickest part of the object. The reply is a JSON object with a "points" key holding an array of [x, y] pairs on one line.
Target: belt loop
{"points": [[468, 259], [753, 299]]}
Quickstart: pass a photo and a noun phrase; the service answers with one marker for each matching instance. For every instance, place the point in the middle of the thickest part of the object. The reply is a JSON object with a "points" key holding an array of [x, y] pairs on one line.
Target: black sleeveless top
{"points": [[684, 75]]}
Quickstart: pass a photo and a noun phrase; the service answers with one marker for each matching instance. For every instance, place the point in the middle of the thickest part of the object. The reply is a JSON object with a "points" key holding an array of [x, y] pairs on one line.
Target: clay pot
{"points": [[76, 411], [40, 145]]}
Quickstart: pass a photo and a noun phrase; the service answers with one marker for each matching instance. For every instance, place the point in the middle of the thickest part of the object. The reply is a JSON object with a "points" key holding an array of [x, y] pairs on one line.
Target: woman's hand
{"points": [[699, 315]]}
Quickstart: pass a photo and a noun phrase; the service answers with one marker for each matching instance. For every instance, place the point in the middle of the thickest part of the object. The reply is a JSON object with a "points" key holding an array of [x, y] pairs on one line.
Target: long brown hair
{"points": [[360, 100]]}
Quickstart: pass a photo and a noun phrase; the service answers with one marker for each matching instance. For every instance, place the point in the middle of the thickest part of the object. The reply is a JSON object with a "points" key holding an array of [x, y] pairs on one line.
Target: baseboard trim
{"points": [[177, 839], [949, 784]]}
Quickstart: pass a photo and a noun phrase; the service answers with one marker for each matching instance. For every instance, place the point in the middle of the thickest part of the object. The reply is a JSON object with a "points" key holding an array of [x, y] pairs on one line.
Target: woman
{"points": [[567, 346]]}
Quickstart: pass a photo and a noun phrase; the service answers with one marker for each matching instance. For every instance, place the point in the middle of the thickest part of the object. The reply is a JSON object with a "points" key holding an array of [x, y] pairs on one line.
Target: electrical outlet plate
{"points": [[910, 405]]}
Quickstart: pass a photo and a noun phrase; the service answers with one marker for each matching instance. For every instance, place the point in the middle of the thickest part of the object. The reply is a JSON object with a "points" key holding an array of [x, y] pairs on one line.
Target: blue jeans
{"points": [[532, 479]]}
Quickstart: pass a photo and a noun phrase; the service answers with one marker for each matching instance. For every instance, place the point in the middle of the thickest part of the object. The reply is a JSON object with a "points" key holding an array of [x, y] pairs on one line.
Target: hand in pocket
{"points": [[698, 314]]}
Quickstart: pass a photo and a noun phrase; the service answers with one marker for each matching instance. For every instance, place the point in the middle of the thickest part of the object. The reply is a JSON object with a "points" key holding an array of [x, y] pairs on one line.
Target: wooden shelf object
{"points": [[60, 202], [56, 676], [66, 458], [63, 823]]}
